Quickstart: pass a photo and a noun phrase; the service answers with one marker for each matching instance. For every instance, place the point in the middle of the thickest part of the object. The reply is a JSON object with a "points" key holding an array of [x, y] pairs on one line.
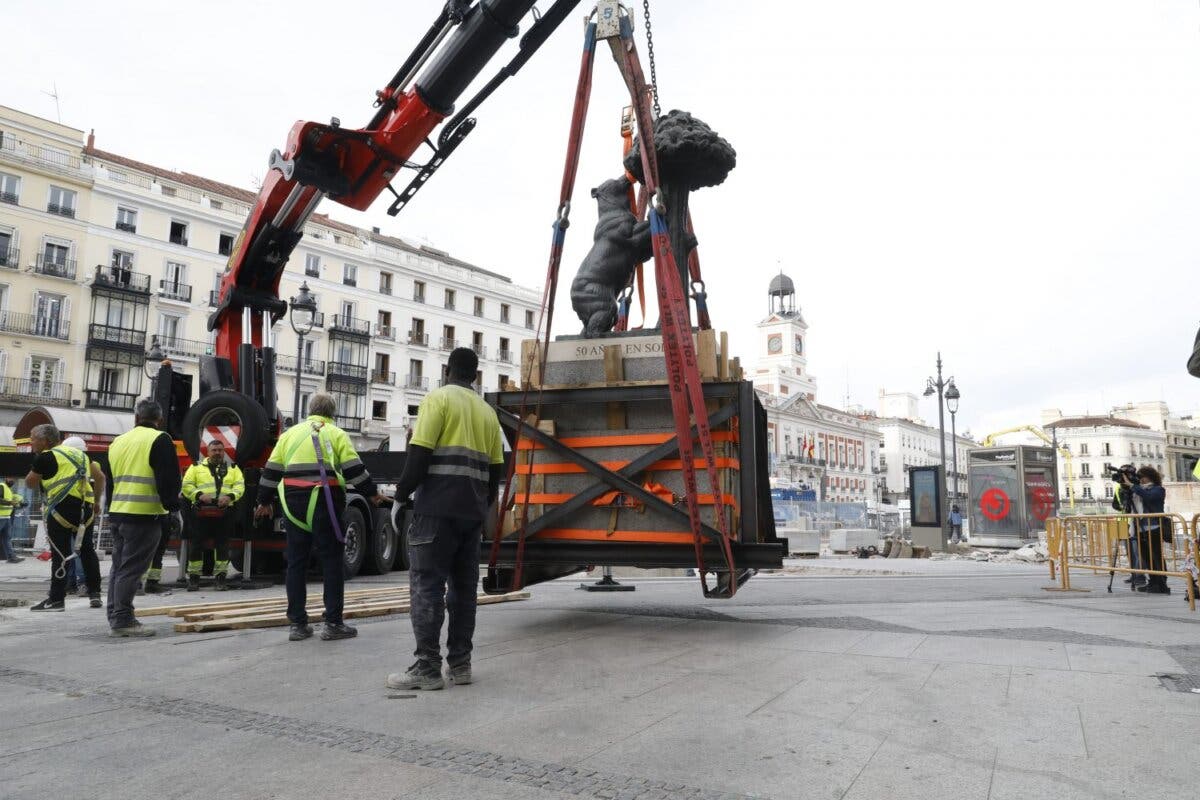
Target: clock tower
{"points": [[783, 344]]}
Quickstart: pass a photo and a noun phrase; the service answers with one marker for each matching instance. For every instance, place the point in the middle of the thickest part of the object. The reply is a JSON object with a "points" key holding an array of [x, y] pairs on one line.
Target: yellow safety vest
{"points": [[199, 479], [73, 471], [296, 455], [1196, 471], [8, 499], [135, 489]]}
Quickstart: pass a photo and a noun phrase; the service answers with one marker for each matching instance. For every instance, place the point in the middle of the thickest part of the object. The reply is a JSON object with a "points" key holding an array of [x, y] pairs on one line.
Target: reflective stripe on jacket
{"points": [[200, 479], [292, 468], [72, 478], [463, 434], [135, 489]]}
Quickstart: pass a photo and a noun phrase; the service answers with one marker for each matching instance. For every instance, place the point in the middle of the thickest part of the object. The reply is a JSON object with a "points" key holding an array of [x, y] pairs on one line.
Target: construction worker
{"points": [[152, 580], [455, 463], [146, 486], [63, 472], [212, 487], [9, 502], [308, 472]]}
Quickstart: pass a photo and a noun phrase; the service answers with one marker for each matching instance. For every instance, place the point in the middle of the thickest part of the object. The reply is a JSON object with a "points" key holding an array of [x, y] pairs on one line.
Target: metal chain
{"points": [[650, 55]]}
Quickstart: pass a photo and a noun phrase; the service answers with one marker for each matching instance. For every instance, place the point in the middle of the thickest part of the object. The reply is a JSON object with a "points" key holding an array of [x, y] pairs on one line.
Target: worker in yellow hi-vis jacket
{"points": [[212, 487]]}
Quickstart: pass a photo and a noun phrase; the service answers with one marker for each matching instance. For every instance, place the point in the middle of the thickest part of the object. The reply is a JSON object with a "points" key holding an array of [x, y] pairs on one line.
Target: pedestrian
{"points": [[308, 472], [455, 463], [146, 484], [1152, 496], [955, 524], [10, 501], [1126, 502], [212, 487]]}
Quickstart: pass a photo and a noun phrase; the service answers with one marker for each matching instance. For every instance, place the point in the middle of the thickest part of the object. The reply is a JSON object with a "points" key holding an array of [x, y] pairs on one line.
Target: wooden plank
{"points": [[735, 369], [181, 608], [723, 358], [275, 608], [614, 370], [531, 356], [279, 620], [706, 354]]}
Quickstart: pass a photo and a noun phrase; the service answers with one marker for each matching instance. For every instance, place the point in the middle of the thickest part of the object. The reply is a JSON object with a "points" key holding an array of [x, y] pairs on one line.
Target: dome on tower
{"points": [[781, 285]]}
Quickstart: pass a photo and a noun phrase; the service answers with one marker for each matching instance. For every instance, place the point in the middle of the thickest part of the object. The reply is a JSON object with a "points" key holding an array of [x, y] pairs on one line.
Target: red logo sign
{"points": [[1043, 502], [994, 504]]}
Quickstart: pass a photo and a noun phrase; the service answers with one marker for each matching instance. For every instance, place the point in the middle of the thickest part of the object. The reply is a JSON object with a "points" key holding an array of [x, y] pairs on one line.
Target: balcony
{"points": [[10, 258], [385, 332], [52, 327], [345, 324], [179, 240], [128, 227], [340, 369], [114, 335], [184, 348], [480, 350], [309, 367], [312, 272], [113, 401], [34, 392], [385, 289], [348, 281], [418, 297], [120, 278], [169, 290], [14, 150], [418, 339], [416, 383], [8, 197], [319, 319], [348, 423], [60, 210], [447, 344], [505, 356], [383, 378], [55, 267]]}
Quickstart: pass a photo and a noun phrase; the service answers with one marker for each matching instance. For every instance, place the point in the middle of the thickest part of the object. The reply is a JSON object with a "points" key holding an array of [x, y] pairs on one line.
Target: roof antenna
{"points": [[57, 107]]}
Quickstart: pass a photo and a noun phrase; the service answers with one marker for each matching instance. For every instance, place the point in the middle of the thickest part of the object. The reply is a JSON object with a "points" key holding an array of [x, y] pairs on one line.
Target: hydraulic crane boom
{"points": [[353, 167]]}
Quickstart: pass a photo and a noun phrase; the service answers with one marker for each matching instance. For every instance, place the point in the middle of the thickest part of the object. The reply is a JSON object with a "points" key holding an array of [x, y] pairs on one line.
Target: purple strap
{"points": [[329, 504]]}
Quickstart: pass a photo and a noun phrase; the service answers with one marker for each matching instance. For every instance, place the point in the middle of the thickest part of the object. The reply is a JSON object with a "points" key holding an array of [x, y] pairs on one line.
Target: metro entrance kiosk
{"points": [[1012, 491]]}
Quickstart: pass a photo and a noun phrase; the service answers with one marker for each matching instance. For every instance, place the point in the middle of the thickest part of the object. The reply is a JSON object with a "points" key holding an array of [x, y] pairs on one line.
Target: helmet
{"points": [[76, 442]]}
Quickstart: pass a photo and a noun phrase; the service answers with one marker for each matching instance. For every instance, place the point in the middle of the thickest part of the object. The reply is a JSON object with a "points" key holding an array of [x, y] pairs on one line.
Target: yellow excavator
{"points": [[990, 440]]}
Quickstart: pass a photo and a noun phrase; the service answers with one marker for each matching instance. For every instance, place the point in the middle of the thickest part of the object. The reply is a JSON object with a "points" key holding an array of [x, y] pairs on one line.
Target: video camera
{"points": [[1114, 475]]}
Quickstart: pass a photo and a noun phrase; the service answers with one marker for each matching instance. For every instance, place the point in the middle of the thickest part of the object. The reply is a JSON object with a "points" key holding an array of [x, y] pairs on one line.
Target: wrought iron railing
{"points": [[505, 356], [383, 377], [186, 348], [112, 334], [341, 322], [447, 344], [287, 363], [480, 350], [10, 258], [61, 210], [418, 339], [38, 392], [53, 327], [416, 382], [348, 423], [385, 332], [171, 290], [114, 401], [120, 278], [128, 227], [55, 267], [340, 369]]}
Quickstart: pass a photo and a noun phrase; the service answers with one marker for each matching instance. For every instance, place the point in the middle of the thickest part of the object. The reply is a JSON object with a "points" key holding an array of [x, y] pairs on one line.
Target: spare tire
{"points": [[240, 416]]}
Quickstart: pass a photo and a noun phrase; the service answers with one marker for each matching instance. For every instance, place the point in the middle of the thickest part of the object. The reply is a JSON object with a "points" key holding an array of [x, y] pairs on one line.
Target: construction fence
{"points": [[1124, 544]]}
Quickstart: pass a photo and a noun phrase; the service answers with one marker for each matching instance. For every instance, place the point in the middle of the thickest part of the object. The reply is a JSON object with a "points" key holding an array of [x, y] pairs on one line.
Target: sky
{"points": [[1015, 185]]}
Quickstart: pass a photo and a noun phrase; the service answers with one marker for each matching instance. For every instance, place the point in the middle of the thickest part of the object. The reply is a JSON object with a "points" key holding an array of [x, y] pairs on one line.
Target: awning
{"points": [[98, 427]]}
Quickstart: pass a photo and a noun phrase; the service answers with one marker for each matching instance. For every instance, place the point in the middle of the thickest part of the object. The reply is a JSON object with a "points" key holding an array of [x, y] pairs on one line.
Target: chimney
{"points": [[91, 140]]}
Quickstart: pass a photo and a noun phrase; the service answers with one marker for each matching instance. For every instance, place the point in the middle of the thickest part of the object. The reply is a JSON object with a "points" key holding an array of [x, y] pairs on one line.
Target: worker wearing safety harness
{"points": [[9, 502], [146, 485], [65, 475], [212, 487], [455, 463], [307, 473]]}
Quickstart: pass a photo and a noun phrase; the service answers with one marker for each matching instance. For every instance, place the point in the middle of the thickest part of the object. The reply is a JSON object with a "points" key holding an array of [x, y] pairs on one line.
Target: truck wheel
{"points": [[382, 552], [242, 415], [357, 534]]}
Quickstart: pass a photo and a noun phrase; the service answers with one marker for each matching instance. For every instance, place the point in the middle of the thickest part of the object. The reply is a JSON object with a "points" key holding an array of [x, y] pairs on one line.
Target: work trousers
{"points": [[6, 548], [1150, 552], [300, 544], [443, 575], [134, 540], [216, 529], [154, 571], [63, 539]]}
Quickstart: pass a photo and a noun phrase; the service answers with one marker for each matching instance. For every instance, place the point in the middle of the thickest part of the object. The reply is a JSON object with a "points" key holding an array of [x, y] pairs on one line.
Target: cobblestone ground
{"points": [[966, 683]]}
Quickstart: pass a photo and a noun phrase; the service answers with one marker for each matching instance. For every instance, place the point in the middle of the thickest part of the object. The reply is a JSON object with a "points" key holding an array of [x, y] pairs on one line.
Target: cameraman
{"points": [[1126, 502], [1152, 496]]}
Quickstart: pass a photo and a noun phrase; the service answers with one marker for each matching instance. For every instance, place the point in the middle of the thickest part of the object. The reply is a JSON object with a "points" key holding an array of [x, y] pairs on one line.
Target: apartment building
{"points": [[102, 257]]}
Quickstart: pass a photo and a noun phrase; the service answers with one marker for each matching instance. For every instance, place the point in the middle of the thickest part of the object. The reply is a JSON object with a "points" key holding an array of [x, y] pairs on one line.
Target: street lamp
{"points": [[301, 317], [939, 387], [952, 397]]}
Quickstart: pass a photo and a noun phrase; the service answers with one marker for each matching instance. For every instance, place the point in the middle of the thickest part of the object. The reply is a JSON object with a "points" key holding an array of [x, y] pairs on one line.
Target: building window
{"points": [[505, 354], [419, 291], [1085, 470], [1083, 448], [416, 368], [529, 320], [169, 328], [42, 374], [478, 307], [62, 202], [1087, 493], [502, 382], [450, 299], [477, 343], [9, 255], [312, 265], [126, 220], [179, 233], [1107, 449], [385, 283], [505, 310], [347, 311], [448, 341], [379, 409], [10, 188], [350, 274], [1108, 491], [225, 244]]}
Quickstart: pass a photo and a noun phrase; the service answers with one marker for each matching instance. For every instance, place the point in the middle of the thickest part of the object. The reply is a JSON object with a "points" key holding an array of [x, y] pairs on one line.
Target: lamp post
{"points": [[952, 397], [301, 317], [939, 386], [156, 357]]}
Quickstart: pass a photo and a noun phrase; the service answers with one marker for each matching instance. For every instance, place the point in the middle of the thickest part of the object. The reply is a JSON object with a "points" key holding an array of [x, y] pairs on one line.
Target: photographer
{"points": [[1149, 491], [1124, 501]]}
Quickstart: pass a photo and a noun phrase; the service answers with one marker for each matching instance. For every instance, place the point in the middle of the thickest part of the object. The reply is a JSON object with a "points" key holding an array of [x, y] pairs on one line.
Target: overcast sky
{"points": [[1017, 184]]}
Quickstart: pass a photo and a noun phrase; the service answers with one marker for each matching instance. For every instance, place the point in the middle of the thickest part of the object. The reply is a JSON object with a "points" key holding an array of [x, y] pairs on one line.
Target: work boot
{"points": [[16, 560], [153, 587], [83, 591], [331, 632], [94, 601], [49, 605], [300, 632], [136, 630], [419, 676], [461, 675], [193, 583], [1154, 588], [221, 586]]}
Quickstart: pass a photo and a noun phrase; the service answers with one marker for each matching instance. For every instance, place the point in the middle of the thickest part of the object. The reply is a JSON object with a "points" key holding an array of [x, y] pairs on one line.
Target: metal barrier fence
{"points": [[1104, 543], [819, 515]]}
